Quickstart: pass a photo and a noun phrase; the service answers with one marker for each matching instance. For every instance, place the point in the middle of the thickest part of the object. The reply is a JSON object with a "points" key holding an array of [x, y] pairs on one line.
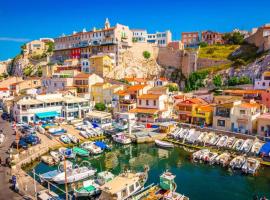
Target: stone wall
{"points": [[260, 41], [205, 62]]}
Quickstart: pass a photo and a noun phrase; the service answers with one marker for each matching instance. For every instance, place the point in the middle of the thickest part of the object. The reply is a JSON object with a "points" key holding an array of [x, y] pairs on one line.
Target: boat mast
{"points": [[65, 169]]}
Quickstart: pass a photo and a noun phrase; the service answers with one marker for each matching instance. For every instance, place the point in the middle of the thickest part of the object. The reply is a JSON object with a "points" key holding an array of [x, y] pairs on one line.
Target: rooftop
{"points": [[98, 114], [144, 110], [149, 96], [264, 116], [135, 88], [249, 105], [82, 75]]}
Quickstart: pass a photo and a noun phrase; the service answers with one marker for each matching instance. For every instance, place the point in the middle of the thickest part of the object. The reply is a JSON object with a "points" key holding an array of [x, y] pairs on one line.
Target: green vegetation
{"points": [[27, 71], [124, 81], [173, 87], [134, 40], [50, 46], [247, 53], [217, 52], [146, 54], [203, 44], [100, 106], [217, 81], [39, 56], [233, 81], [195, 80], [235, 38], [39, 71], [215, 68]]}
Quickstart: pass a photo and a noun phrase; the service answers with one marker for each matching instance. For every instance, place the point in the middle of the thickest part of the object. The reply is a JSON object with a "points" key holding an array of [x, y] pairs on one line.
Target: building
{"points": [[246, 95], [97, 92], [264, 82], [190, 39], [43, 107], [161, 81], [202, 114], [85, 44], [57, 82], [211, 37], [101, 119], [176, 45], [4, 92], [21, 86], [83, 82], [35, 47], [101, 65], [263, 127], [48, 70], [260, 38], [266, 98], [151, 108], [108, 93], [161, 39], [139, 35]]}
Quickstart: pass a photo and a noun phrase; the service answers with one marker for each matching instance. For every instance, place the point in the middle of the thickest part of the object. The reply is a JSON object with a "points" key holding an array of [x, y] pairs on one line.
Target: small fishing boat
{"points": [[237, 162], [213, 140], [48, 160], [80, 152], [65, 139], [84, 134], [91, 147], [238, 144], [164, 144], [73, 138], [104, 177], [89, 189], [230, 142], [256, 147], [208, 138], [202, 135], [222, 141], [223, 159], [68, 153], [246, 147], [57, 131], [102, 145], [75, 174], [56, 156], [121, 138], [210, 157], [251, 166], [193, 137], [198, 155], [175, 133], [47, 195]]}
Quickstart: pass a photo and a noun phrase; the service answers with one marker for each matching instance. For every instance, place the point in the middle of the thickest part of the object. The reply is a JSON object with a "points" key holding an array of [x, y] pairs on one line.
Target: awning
{"points": [[47, 114], [144, 110]]}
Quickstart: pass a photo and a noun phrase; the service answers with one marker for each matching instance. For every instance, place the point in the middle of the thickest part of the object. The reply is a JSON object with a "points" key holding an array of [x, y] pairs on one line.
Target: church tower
{"points": [[107, 24]]}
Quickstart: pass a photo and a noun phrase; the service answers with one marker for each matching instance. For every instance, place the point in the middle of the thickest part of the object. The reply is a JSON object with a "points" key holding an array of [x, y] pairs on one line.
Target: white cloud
{"points": [[11, 39]]}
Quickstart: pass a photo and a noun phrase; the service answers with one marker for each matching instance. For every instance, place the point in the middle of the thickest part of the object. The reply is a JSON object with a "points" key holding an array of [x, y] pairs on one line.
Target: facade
{"points": [[4, 92], [190, 39], [88, 43], [101, 65], [161, 39], [97, 92], [264, 82], [176, 45], [57, 82], [211, 37], [35, 47], [161, 81], [43, 107], [266, 98], [139, 35], [263, 127], [30, 83], [202, 115]]}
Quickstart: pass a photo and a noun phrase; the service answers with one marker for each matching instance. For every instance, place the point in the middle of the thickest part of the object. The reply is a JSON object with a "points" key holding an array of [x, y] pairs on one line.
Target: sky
{"points": [[25, 20]]}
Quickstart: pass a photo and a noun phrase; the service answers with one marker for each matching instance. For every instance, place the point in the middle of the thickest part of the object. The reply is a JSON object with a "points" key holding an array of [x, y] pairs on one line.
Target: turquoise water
{"points": [[195, 180]]}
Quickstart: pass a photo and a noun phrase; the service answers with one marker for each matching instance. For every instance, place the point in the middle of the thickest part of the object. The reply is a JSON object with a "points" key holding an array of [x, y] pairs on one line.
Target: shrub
{"points": [[239, 62], [173, 87], [217, 81], [100, 106], [203, 44], [146, 54], [210, 51]]}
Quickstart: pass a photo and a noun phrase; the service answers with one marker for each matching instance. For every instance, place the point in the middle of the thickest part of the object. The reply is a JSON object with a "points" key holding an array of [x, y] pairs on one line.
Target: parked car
{"points": [[31, 139], [5, 116], [21, 144]]}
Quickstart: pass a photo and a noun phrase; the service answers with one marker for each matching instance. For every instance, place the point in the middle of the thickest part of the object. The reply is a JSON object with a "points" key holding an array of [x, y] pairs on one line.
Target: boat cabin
{"points": [[167, 181]]}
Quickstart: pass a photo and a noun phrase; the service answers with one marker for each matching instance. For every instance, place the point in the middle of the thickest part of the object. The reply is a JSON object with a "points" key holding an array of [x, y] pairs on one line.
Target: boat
{"points": [[208, 138], [48, 176], [91, 187], [222, 141], [246, 147], [102, 145], [123, 186], [164, 144], [57, 131], [65, 139], [2, 138], [68, 153], [91, 147], [121, 138], [256, 147], [223, 159], [238, 144], [230, 142], [73, 138], [193, 137], [75, 174], [48, 160], [84, 134], [214, 139], [210, 157], [47, 195], [80, 152], [56, 156], [199, 154], [237, 162], [183, 134], [200, 138], [251, 166], [175, 133]]}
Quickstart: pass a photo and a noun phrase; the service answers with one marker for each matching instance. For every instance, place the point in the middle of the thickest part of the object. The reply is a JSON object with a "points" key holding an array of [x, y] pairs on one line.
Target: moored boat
{"points": [[65, 139], [56, 156], [223, 159], [222, 141], [230, 142], [246, 147], [84, 134], [237, 162], [238, 144], [91, 147], [164, 144], [89, 189], [251, 166], [256, 147], [199, 154], [121, 138], [48, 160], [68, 153], [80, 152], [73, 138]]}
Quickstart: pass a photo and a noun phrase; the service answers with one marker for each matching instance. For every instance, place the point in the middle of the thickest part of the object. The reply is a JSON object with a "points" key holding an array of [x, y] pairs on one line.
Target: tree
{"points": [[173, 87], [239, 62], [146, 54], [50, 46], [244, 80], [233, 81], [217, 81], [233, 38], [203, 44], [100, 106]]}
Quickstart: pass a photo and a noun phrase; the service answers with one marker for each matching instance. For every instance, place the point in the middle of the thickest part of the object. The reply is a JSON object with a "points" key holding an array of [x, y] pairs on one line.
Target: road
{"points": [[5, 191]]}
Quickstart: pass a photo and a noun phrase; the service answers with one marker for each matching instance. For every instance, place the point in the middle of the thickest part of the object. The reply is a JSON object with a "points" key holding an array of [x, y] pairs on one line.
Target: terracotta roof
{"points": [[243, 91], [264, 116], [121, 92], [131, 79], [249, 105], [149, 96], [162, 79], [82, 75], [179, 96], [4, 89], [158, 88], [196, 101], [135, 88], [266, 73], [144, 110], [206, 108]]}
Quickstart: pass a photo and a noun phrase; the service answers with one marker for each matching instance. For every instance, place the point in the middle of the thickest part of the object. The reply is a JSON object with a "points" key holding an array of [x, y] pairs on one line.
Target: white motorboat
{"points": [[223, 159], [68, 153], [73, 138], [193, 137], [56, 156], [65, 139], [213, 139], [74, 175], [189, 133], [209, 138], [164, 144], [222, 141], [237, 162], [48, 160], [84, 134], [238, 144], [246, 147], [91, 147], [251, 166], [256, 147], [183, 134], [2, 138], [200, 138], [121, 138], [175, 133], [198, 155], [230, 142], [210, 157]]}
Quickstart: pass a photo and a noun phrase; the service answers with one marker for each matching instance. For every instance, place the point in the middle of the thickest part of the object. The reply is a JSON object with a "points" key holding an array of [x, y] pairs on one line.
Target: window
{"points": [[155, 102], [221, 123], [131, 188], [147, 102], [262, 128], [140, 102], [263, 84], [242, 112]]}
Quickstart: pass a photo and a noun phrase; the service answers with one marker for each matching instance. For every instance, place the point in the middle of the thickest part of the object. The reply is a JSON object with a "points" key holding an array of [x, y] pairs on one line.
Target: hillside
{"points": [[217, 52]]}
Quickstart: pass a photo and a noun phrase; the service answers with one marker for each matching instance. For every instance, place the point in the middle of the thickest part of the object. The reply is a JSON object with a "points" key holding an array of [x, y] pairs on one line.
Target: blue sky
{"points": [[23, 20]]}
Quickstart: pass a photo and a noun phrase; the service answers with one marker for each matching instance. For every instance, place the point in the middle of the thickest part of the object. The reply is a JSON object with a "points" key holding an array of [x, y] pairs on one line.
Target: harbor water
{"points": [[198, 181]]}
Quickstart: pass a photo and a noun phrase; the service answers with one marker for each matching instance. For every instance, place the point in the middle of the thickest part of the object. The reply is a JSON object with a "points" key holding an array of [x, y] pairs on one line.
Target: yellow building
{"points": [[98, 92], [101, 64], [202, 114]]}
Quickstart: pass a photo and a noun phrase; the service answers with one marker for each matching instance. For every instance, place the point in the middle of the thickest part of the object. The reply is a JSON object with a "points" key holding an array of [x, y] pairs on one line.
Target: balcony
{"points": [[127, 101]]}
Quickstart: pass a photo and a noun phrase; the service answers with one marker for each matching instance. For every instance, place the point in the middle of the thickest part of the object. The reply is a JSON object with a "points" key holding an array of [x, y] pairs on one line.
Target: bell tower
{"points": [[107, 24]]}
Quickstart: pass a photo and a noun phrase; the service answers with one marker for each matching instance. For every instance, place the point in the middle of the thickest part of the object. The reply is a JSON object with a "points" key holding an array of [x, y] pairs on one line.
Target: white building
{"points": [[45, 107], [264, 82], [161, 39], [139, 35], [4, 92]]}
